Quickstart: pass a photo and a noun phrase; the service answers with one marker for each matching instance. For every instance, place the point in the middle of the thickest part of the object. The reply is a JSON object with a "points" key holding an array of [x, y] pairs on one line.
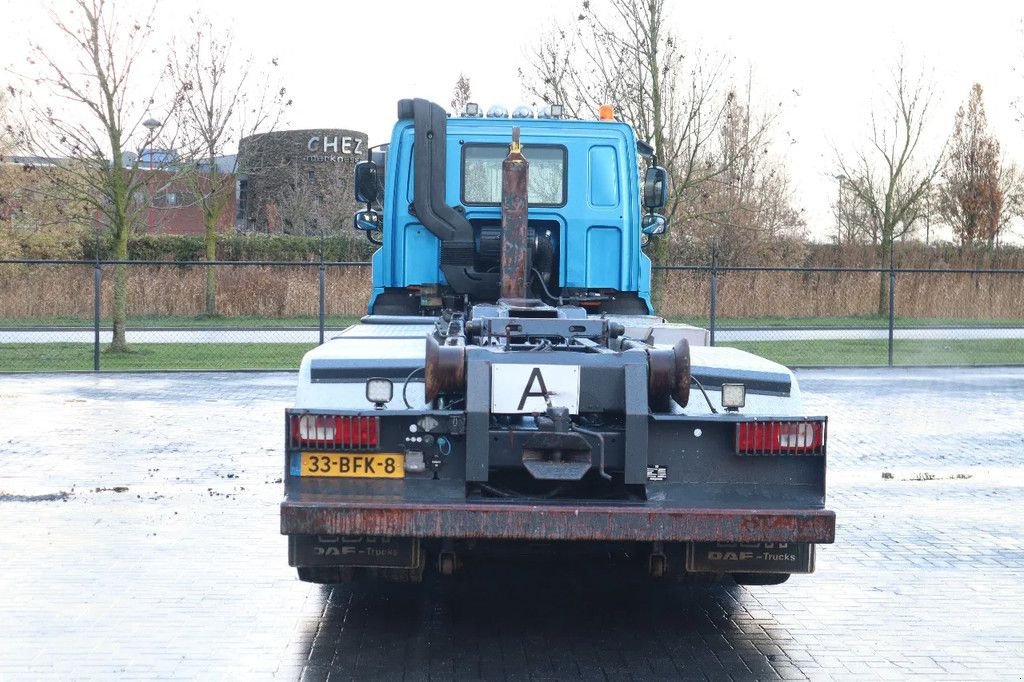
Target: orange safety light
{"points": [[606, 112]]}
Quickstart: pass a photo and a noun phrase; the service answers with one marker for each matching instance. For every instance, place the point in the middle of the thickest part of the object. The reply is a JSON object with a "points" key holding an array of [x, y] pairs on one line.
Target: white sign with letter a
{"points": [[529, 389]]}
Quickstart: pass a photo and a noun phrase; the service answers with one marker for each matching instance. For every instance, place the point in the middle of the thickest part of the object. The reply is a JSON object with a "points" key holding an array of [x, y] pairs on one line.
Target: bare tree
{"points": [[623, 53], [856, 221], [971, 199], [748, 210], [221, 99], [8, 177], [461, 94], [320, 206], [1011, 181], [892, 175], [86, 112], [297, 205], [852, 224], [8, 132]]}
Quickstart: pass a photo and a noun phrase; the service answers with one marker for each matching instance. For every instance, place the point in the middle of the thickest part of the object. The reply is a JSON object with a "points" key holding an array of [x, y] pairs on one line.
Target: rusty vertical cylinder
{"points": [[515, 247]]}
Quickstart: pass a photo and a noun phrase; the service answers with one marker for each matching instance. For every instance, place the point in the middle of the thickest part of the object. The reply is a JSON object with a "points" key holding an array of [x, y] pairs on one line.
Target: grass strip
{"points": [[856, 322], [58, 357], [55, 357], [872, 352]]}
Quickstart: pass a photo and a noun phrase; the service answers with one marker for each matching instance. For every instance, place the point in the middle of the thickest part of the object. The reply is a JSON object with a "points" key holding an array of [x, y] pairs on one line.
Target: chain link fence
{"points": [[57, 315], [824, 316]]}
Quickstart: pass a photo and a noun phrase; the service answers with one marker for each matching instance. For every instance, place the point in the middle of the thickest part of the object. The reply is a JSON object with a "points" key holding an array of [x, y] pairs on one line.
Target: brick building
{"points": [[287, 181], [298, 181], [176, 209]]}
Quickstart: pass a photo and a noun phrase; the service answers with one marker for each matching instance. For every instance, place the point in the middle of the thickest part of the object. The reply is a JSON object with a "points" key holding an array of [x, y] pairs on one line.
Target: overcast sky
{"points": [[346, 64]]}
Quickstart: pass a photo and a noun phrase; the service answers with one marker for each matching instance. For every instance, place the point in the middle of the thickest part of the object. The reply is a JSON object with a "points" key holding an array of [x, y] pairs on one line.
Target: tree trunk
{"points": [[119, 343], [883, 278], [212, 209], [211, 272]]}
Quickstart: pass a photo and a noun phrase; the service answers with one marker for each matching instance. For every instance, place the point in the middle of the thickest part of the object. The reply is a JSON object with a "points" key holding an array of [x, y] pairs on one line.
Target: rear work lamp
{"points": [[734, 396], [379, 391]]}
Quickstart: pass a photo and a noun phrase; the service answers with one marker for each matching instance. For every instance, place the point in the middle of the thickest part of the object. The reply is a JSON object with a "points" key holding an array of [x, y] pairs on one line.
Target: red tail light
{"points": [[326, 431], [791, 437]]}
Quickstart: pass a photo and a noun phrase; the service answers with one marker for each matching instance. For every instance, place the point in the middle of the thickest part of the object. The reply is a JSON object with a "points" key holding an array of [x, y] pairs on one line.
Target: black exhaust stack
{"points": [[450, 226], [444, 222]]}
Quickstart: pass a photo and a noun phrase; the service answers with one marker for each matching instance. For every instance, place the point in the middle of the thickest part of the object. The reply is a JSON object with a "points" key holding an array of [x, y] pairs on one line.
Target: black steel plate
{"points": [[750, 557], [352, 550]]}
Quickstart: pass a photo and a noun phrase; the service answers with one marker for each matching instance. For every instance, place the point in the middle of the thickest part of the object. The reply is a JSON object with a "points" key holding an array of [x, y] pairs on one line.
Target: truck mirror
{"points": [[655, 188], [653, 224], [367, 220], [367, 182]]}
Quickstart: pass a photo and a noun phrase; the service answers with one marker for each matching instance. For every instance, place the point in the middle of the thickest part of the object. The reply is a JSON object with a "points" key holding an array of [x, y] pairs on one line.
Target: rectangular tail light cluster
{"points": [[781, 437], [333, 432]]}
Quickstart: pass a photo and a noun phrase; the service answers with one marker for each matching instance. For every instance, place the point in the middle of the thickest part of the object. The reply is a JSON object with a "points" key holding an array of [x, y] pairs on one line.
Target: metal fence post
{"points": [[714, 290], [892, 298], [96, 273]]}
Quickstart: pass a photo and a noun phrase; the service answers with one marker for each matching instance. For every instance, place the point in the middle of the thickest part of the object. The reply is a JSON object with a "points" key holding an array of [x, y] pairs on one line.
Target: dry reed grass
{"points": [[843, 294], [36, 291], [258, 291]]}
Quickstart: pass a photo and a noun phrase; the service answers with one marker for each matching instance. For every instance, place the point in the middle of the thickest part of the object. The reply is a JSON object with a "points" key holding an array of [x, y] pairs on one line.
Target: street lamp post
{"points": [[151, 124], [927, 219], [839, 210]]}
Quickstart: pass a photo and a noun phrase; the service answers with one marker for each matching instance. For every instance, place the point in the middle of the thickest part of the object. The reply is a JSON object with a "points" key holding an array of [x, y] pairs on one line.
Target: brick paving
{"points": [[141, 543]]}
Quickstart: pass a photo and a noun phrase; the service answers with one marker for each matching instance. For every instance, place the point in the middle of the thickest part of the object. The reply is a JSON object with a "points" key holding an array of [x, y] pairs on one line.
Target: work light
{"points": [[552, 111], [734, 396], [523, 111], [379, 391]]}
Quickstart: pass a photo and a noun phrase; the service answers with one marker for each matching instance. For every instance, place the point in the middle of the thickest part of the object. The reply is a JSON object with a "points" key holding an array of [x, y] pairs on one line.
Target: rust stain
{"points": [[558, 523], [515, 249]]}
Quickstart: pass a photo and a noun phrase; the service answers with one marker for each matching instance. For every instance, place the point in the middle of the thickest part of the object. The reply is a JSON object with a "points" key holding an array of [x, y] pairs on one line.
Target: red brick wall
{"points": [[186, 216]]}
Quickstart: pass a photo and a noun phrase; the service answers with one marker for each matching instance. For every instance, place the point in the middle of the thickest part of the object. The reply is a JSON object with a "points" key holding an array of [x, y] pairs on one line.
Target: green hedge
{"points": [[238, 247]]}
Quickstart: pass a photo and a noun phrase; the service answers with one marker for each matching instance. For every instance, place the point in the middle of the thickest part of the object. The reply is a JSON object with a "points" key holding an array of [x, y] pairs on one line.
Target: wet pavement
{"points": [[140, 518]]}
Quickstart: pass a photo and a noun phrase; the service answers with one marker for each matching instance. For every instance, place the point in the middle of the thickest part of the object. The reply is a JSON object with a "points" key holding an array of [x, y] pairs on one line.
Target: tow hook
{"points": [[554, 452], [656, 562]]}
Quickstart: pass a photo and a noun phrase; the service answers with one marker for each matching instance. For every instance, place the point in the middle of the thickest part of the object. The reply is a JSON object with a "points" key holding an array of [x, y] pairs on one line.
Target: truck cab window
{"points": [[481, 174]]}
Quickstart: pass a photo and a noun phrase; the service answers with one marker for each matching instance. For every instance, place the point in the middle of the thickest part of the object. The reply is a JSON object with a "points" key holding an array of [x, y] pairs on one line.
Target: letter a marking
{"points": [[527, 393]]}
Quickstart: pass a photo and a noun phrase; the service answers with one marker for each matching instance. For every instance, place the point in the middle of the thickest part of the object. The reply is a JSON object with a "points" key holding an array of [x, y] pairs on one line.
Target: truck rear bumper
{"points": [[519, 521]]}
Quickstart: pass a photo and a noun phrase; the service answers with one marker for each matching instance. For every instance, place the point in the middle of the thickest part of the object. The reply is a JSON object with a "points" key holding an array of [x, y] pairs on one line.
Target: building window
{"points": [[170, 199], [319, 199], [310, 175]]}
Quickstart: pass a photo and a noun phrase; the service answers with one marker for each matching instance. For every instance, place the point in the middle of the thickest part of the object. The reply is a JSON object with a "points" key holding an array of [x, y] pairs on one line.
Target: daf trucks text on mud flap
{"points": [[511, 388]]}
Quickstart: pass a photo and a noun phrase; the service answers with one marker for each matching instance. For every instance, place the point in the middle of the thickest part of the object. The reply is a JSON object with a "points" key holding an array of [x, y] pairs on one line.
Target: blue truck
{"points": [[511, 389]]}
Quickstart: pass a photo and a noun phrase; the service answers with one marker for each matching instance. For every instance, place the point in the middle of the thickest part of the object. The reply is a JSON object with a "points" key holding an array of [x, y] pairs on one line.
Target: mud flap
{"points": [[353, 550], [750, 557]]}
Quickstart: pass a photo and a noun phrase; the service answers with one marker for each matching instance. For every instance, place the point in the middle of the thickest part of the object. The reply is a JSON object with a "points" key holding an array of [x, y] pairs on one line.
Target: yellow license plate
{"points": [[353, 465]]}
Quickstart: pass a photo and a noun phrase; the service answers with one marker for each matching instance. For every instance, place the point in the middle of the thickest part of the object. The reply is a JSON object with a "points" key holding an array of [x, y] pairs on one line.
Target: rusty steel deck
{"points": [[505, 521]]}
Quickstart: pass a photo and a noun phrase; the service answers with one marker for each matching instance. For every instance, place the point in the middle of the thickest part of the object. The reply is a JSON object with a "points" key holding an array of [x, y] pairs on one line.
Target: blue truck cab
{"points": [[585, 214]]}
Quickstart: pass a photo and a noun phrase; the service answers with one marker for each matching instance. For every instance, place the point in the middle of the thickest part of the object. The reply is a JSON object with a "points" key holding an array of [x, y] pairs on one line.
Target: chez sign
{"points": [[332, 148]]}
